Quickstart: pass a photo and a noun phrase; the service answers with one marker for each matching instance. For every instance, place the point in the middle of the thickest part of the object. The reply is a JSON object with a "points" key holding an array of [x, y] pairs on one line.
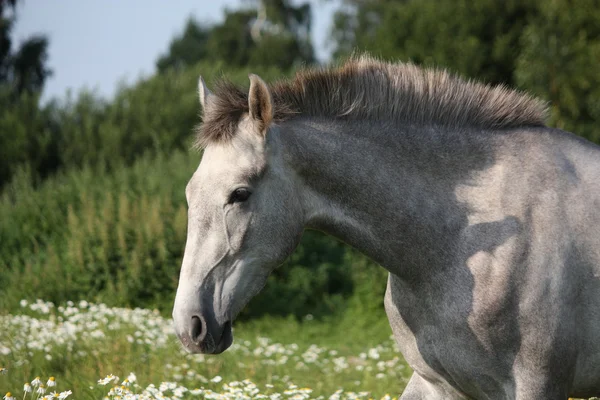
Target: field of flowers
{"points": [[91, 351]]}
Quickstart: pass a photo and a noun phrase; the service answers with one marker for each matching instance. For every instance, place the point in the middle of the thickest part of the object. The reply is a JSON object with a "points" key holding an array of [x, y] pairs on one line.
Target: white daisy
{"points": [[64, 395], [109, 378]]}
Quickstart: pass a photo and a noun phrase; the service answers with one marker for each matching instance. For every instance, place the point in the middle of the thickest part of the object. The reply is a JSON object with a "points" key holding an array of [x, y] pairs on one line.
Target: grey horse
{"points": [[487, 220]]}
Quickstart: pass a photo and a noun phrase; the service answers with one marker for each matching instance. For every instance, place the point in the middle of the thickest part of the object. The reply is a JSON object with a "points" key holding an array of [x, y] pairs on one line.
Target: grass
{"points": [[80, 344]]}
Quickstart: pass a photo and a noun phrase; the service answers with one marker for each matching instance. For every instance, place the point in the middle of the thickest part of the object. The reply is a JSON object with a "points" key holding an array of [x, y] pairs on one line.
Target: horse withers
{"points": [[487, 220]]}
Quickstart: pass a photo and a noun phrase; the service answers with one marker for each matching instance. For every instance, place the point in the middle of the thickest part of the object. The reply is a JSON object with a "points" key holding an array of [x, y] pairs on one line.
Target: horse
{"points": [[486, 219]]}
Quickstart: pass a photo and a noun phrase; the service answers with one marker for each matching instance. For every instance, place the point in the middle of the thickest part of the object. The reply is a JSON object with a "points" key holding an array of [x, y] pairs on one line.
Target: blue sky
{"points": [[95, 44]]}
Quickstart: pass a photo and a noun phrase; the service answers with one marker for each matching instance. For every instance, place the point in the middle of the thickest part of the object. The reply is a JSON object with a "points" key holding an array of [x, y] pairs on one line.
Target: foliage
{"points": [[24, 139], [559, 48], [480, 40], [23, 72], [276, 33], [157, 115], [23, 69], [118, 236], [186, 50], [545, 47]]}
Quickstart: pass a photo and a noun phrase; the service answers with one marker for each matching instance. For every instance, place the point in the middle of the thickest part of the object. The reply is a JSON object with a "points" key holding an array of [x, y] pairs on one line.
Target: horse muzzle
{"points": [[199, 332]]}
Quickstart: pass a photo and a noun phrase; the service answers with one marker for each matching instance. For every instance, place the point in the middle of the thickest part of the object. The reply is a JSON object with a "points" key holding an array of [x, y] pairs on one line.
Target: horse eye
{"points": [[239, 195]]}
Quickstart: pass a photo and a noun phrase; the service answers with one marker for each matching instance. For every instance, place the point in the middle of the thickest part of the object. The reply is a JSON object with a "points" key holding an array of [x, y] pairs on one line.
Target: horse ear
{"points": [[203, 93], [260, 102]]}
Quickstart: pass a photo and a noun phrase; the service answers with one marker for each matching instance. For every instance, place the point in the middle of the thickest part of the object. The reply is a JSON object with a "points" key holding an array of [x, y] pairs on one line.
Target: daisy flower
{"points": [[132, 378], [109, 378], [41, 389], [64, 395]]}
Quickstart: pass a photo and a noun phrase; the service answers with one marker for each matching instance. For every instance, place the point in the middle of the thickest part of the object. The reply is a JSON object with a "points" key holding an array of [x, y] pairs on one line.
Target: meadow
{"points": [[93, 215], [96, 351], [102, 246]]}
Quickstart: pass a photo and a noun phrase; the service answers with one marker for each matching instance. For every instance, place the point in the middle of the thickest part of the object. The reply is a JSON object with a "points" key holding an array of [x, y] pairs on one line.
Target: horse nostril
{"points": [[198, 330]]}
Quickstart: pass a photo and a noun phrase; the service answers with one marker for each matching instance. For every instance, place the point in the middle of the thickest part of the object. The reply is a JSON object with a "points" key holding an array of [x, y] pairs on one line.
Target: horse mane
{"points": [[364, 88]]}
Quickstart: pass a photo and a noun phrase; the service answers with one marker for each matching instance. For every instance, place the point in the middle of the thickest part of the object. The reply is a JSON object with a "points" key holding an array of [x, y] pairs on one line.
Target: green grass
{"points": [[80, 345]]}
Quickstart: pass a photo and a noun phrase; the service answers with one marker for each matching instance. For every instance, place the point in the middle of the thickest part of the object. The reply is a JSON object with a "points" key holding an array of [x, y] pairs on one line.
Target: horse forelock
{"points": [[366, 88]]}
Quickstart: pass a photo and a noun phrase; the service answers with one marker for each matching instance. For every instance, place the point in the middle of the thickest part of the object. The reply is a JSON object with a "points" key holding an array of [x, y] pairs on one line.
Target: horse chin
{"points": [[225, 341]]}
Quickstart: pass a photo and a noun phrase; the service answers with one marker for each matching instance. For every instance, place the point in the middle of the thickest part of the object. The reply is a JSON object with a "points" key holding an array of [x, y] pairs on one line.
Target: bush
{"points": [[119, 237]]}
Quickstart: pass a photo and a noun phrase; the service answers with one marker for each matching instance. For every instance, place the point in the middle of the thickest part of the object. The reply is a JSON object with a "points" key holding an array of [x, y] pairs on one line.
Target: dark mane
{"points": [[365, 88]]}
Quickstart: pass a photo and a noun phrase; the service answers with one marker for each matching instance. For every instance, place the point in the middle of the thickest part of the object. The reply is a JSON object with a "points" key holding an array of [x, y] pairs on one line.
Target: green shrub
{"points": [[113, 237], [118, 237]]}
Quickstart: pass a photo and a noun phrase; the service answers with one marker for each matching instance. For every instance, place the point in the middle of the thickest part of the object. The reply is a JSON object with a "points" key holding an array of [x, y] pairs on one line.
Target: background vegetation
{"points": [[92, 204]]}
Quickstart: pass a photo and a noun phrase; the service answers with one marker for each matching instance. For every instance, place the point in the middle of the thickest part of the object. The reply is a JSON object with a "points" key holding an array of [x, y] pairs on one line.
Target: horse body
{"points": [[489, 244], [490, 234], [514, 313]]}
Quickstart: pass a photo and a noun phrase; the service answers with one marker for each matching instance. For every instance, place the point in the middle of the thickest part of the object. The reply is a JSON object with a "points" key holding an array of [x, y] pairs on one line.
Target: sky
{"points": [[95, 44]]}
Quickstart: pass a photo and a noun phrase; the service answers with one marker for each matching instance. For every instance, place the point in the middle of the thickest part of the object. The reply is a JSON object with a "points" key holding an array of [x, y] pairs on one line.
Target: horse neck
{"points": [[388, 191]]}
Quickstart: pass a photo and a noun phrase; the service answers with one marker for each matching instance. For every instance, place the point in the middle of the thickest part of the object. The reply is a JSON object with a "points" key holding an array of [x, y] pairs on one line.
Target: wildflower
{"points": [[131, 377], [109, 378], [3, 371], [41, 389], [51, 382], [216, 379], [36, 382], [64, 395], [26, 388], [8, 396]]}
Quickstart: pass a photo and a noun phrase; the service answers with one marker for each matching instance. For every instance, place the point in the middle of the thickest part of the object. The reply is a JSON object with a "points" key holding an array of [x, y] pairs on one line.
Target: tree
{"points": [[23, 72], [480, 39], [273, 33], [187, 49], [23, 69], [548, 47], [560, 51]]}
